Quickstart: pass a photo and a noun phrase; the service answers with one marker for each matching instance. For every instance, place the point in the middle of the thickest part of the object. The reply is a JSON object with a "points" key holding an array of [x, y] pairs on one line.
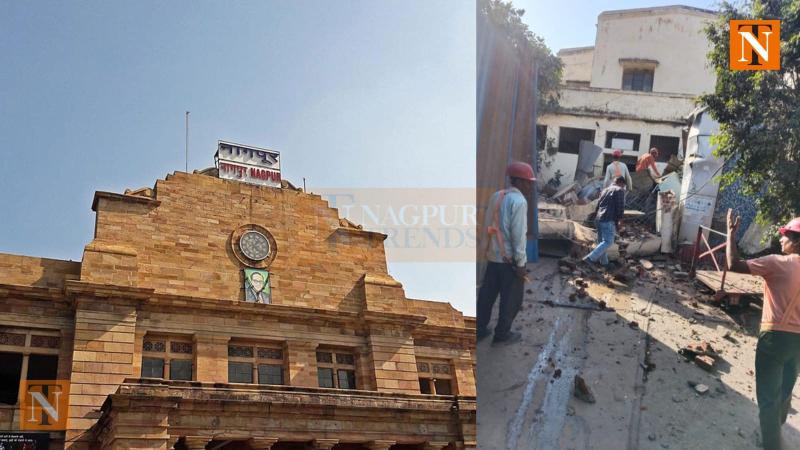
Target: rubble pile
{"points": [[701, 353]]}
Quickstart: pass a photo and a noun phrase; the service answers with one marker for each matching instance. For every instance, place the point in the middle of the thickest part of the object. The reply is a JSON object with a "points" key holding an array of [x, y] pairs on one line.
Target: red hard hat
{"points": [[617, 153], [793, 225], [521, 170]]}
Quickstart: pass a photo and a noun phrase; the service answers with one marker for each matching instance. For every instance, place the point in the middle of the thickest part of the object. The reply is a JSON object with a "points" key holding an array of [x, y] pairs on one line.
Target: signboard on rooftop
{"points": [[248, 164]]}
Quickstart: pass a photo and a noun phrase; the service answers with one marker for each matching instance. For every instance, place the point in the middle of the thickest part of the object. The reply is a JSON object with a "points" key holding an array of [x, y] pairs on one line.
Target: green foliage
{"points": [[508, 19], [759, 112]]}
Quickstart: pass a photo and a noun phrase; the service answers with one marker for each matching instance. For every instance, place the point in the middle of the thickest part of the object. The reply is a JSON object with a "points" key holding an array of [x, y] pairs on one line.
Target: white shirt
{"points": [[513, 218], [611, 174]]}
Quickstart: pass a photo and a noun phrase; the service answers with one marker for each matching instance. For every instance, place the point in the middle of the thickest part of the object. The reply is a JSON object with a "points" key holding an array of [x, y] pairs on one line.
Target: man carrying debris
{"points": [[616, 169], [778, 349], [507, 225], [610, 209], [648, 162]]}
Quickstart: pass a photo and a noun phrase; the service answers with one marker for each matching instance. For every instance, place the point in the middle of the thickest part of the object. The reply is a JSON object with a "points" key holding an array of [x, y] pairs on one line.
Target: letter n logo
{"points": [[44, 405], [755, 45]]}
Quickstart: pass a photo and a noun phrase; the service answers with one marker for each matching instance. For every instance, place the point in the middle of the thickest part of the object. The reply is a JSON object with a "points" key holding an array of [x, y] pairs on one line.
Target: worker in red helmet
{"points": [[506, 222], [778, 349], [617, 169]]}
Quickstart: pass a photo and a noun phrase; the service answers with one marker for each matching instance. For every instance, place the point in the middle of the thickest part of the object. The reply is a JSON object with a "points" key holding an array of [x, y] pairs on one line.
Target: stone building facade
{"points": [[632, 90], [162, 351]]}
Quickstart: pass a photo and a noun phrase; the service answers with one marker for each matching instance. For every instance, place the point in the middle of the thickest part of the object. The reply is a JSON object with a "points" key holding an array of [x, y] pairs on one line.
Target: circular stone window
{"points": [[253, 246]]}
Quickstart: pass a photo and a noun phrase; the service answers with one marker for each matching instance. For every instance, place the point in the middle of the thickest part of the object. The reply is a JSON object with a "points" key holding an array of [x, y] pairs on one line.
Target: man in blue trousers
{"points": [[610, 209]]}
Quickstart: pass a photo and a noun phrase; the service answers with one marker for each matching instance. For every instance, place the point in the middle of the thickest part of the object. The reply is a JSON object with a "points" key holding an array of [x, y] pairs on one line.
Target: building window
{"points": [[164, 356], [26, 355], [667, 146], [336, 369], [637, 80], [435, 377], [623, 141], [541, 137], [152, 367], [251, 362], [569, 139]]}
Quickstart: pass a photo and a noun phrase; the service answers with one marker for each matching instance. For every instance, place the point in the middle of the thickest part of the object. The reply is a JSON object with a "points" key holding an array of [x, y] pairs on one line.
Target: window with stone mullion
{"points": [[336, 369], [435, 377], [167, 357], [265, 363], [26, 354]]}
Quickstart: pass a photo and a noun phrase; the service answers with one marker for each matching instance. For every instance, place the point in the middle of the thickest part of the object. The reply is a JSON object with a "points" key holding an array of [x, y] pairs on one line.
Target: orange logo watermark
{"points": [[755, 45], [44, 405]]}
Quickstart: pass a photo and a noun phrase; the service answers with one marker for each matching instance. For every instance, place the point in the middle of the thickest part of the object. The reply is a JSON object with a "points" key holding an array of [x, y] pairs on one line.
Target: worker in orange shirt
{"points": [[778, 349], [648, 161]]}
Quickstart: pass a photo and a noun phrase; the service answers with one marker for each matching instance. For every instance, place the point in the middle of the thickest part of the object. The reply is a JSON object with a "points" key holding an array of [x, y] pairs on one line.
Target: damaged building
{"points": [[211, 313], [629, 91]]}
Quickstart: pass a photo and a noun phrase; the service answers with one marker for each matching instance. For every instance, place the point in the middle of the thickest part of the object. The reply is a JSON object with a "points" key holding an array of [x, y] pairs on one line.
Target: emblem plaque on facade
{"points": [[255, 248], [256, 286]]}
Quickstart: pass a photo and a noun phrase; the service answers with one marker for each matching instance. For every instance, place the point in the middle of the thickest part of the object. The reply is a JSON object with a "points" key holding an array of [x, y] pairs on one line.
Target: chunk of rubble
{"points": [[701, 353], [702, 348], [701, 388], [646, 264], [705, 362], [568, 262], [581, 390]]}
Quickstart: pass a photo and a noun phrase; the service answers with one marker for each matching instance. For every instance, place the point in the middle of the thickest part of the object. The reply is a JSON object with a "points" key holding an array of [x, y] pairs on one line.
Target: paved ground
{"points": [[525, 390]]}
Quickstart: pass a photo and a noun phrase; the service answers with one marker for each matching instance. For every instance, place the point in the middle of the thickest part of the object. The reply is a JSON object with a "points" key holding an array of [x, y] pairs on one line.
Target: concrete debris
{"points": [[701, 348], [569, 263], [646, 264], [705, 362], [582, 391], [701, 353], [730, 338], [701, 389]]}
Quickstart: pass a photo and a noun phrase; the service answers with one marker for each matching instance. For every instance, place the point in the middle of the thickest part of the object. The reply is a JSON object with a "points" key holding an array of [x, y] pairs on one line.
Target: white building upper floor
{"points": [[661, 50]]}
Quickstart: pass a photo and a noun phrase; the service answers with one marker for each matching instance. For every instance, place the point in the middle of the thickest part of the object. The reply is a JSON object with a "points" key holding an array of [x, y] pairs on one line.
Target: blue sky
{"points": [[352, 93], [571, 23]]}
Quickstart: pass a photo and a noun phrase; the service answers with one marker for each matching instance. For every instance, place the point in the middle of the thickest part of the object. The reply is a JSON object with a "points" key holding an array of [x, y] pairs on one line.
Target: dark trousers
{"points": [[500, 279], [777, 357]]}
